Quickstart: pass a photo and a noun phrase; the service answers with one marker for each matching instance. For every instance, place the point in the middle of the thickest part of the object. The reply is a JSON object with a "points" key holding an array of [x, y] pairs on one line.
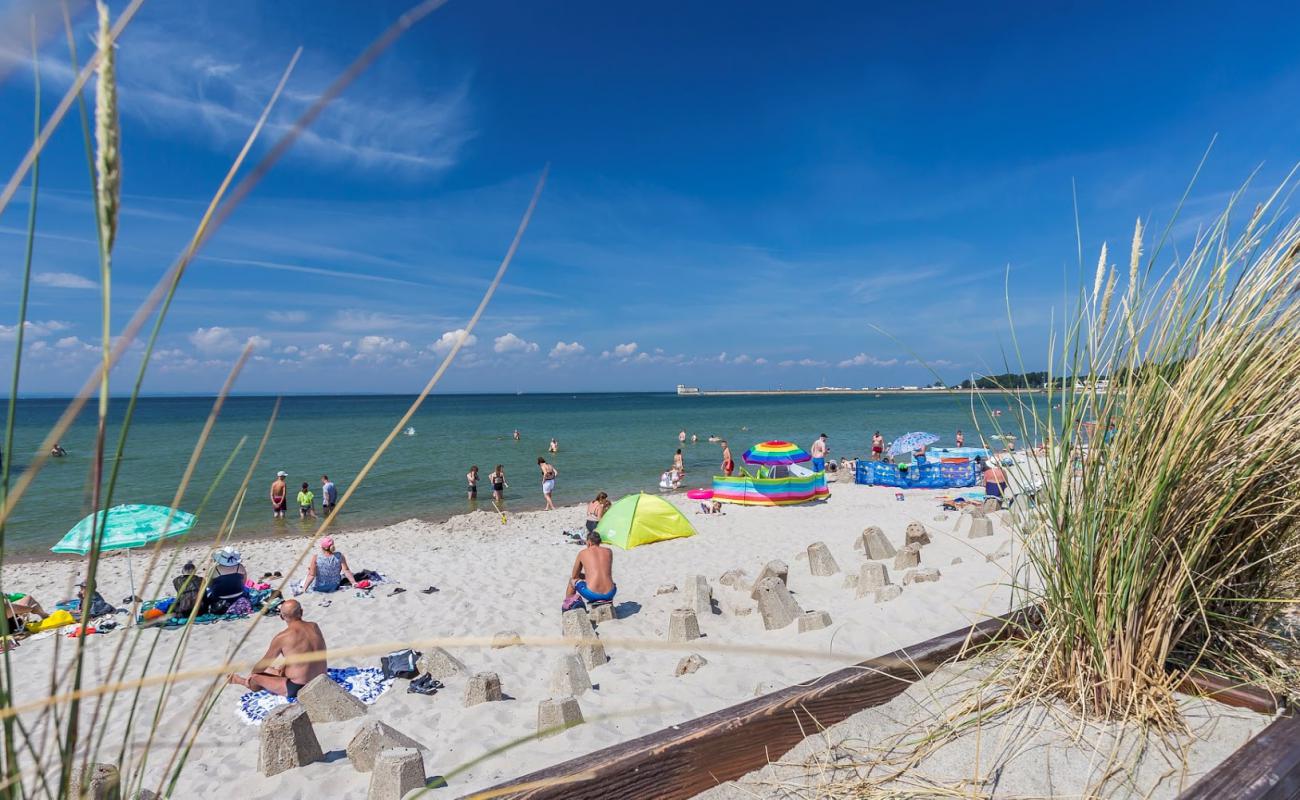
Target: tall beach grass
{"points": [[1166, 533]]}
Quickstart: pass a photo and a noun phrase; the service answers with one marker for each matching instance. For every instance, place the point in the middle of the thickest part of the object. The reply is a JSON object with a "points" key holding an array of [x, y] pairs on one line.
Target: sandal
{"points": [[397, 590], [425, 684], [430, 590]]}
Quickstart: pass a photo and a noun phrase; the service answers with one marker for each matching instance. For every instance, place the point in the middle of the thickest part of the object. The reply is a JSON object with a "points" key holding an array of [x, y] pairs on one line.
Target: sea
{"points": [[617, 443]]}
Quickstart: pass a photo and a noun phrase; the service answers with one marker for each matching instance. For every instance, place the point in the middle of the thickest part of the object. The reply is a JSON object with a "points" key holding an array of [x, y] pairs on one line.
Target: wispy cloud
{"points": [[64, 280], [214, 86]]}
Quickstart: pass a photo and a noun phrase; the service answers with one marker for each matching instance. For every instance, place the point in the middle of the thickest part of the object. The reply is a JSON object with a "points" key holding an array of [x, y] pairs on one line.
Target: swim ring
{"points": [[700, 494]]}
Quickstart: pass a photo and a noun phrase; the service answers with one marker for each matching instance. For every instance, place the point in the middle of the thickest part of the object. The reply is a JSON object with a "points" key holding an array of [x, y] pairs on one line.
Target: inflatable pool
{"points": [[700, 494]]}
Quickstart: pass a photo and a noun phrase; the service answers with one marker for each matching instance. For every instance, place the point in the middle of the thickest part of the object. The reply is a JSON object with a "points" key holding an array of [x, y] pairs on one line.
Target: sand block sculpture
{"points": [[602, 612], [592, 653], [922, 575], [916, 534], [554, 716], [874, 544], [326, 701], [504, 639], [908, 557], [871, 576], [890, 592], [683, 626], [820, 560], [814, 621], [483, 687], [372, 738], [777, 608], [440, 664], [287, 740], [569, 676], [698, 595], [772, 569], [398, 771]]}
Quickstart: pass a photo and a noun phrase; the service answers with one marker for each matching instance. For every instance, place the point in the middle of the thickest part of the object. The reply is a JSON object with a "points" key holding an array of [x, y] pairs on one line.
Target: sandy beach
{"points": [[493, 577]]}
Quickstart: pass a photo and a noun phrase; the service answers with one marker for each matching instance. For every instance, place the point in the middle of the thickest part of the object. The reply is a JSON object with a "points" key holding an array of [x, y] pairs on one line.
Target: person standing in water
{"points": [[555, 445], [961, 439], [329, 495], [516, 434], [681, 437], [498, 481], [678, 464], [279, 494], [728, 465], [877, 446], [471, 478], [548, 481]]}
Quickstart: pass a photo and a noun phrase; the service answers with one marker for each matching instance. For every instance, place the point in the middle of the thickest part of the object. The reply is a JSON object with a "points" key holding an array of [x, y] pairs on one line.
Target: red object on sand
{"points": [[77, 631], [363, 584], [700, 494]]}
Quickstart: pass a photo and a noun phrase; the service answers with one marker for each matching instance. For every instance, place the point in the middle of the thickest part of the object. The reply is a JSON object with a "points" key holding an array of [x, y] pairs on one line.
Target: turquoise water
{"points": [[618, 443]]}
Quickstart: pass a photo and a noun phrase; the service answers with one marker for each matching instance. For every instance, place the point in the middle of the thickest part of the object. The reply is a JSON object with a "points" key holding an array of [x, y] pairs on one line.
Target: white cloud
{"points": [[760, 361], [218, 340], [803, 362], [33, 329], [741, 359], [562, 350], [287, 317], [381, 345], [509, 343], [448, 340], [64, 280], [624, 350], [864, 360]]}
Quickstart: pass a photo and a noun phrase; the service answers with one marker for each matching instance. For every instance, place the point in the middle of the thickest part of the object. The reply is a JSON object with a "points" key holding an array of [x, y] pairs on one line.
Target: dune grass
{"points": [[1167, 534]]}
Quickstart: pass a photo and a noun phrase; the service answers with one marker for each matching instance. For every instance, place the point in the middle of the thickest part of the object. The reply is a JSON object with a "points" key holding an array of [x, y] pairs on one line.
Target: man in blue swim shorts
{"points": [[593, 573]]}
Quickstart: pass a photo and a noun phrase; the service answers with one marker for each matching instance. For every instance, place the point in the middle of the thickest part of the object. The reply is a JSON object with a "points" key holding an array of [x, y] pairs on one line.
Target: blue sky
{"points": [[740, 193]]}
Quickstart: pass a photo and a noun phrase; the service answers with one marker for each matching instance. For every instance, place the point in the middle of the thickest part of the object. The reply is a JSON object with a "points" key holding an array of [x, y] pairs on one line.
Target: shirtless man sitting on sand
{"points": [[298, 637], [593, 572]]}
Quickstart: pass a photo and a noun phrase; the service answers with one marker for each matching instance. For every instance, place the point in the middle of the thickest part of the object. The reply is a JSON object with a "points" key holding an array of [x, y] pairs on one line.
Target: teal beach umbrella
{"points": [[123, 527]]}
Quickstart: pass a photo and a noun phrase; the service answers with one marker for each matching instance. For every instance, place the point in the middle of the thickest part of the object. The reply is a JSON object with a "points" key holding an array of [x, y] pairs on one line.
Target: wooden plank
{"points": [[1265, 768], [686, 759], [1222, 690]]}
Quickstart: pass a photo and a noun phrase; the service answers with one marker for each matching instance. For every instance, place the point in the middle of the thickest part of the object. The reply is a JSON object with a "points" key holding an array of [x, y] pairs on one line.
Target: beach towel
{"points": [[366, 684], [255, 599]]}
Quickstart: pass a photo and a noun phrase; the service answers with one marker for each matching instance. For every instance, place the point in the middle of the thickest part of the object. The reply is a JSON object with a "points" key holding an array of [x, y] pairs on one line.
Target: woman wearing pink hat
{"points": [[327, 569]]}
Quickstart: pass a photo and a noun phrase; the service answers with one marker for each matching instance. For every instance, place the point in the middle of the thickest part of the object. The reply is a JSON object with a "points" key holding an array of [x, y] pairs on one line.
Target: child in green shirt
{"points": [[307, 502]]}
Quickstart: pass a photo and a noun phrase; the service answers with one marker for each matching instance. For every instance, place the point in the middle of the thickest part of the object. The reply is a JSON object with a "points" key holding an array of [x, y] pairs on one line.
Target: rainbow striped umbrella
{"points": [[772, 453]]}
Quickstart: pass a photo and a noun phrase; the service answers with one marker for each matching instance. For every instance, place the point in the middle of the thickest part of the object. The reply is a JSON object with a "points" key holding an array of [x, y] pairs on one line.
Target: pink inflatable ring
{"points": [[700, 494]]}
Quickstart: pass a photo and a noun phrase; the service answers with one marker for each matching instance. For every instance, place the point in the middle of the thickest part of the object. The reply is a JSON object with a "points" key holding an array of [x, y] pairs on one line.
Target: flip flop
{"points": [[397, 590], [430, 590]]}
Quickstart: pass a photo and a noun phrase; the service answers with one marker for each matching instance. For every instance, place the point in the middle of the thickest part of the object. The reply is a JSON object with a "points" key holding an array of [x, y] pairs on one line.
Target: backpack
{"points": [[187, 595]]}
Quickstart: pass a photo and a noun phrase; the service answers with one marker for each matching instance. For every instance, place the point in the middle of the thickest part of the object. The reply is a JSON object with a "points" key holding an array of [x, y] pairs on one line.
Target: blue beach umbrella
{"points": [[910, 441], [123, 527]]}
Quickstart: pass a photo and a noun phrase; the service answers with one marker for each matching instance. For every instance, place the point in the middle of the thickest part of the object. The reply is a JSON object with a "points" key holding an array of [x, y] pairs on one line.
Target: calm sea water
{"points": [[618, 443]]}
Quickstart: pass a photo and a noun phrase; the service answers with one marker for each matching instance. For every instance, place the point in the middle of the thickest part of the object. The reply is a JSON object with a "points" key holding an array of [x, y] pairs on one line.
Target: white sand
{"points": [[495, 577], [1037, 750]]}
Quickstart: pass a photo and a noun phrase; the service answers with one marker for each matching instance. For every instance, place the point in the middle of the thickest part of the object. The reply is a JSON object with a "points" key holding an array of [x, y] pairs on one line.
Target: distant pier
{"points": [[693, 391]]}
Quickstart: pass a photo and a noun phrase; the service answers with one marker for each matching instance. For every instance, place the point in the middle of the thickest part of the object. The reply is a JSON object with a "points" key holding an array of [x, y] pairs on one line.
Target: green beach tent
{"points": [[641, 519]]}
